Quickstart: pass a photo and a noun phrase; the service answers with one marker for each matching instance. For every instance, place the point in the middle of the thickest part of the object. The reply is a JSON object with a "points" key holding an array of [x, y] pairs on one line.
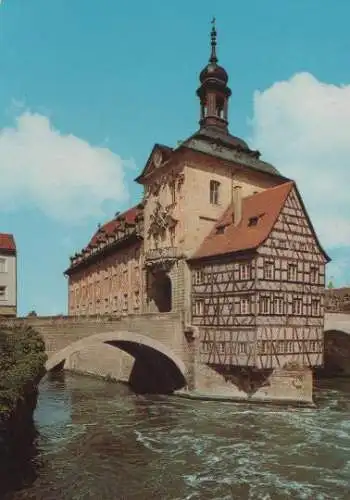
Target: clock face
{"points": [[157, 158]]}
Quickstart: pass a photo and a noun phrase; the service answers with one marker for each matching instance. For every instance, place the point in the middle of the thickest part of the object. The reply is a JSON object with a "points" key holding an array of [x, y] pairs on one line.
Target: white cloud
{"points": [[61, 175], [303, 127]]}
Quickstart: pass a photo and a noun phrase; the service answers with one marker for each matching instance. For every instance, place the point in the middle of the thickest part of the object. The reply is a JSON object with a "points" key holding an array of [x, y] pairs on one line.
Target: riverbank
{"points": [[22, 365]]}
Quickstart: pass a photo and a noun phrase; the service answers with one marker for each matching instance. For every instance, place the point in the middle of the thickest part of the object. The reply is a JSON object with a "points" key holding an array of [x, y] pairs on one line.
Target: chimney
{"points": [[237, 204]]}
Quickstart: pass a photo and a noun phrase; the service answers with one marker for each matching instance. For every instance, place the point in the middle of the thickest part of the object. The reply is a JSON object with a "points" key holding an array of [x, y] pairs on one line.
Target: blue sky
{"points": [[87, 88]]}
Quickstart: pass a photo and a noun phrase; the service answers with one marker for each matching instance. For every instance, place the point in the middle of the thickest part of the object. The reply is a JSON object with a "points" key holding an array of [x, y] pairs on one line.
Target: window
{"points": [[280, 346], [253, 221], [198, 307], [3, 265], [245, 305], [198, 277], [245, 271], [314, 274], [312, 346], [221, 346], [297, 306], [2, 292], [278, 305], [292, 272], [214, 192], [283, 243], [242, 348], [265, 304], [315, 307], [268, 270], [290, 346]]}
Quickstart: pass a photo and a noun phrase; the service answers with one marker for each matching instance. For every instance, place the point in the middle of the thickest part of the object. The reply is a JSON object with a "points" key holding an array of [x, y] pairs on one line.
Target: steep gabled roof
{"points": [[259, 215], [149, 167], [7, 243], [265, 205]]}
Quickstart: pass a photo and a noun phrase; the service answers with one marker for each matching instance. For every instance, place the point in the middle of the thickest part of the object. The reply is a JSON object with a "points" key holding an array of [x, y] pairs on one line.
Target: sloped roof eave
{"points": [[249, 250]]}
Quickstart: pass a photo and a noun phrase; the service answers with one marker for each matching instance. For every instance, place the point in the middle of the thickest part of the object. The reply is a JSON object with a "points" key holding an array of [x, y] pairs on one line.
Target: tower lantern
{"points": [[213, 92]]}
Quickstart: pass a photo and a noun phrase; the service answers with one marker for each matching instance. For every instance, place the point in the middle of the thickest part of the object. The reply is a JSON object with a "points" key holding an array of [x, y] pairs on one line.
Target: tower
{"points": [[213, 91]]}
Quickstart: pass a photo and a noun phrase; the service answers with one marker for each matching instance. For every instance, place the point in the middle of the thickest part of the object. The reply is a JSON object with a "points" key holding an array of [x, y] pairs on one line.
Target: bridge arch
{"points": [[337, 350], [156, 369]]}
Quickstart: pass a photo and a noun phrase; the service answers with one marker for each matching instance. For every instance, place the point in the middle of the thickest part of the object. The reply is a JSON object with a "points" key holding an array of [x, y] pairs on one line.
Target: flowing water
{"points": [[98, 440]]}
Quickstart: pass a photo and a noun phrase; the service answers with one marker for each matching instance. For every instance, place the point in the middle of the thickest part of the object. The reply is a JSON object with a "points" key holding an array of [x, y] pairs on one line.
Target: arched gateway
{"points": [[156, 368]]}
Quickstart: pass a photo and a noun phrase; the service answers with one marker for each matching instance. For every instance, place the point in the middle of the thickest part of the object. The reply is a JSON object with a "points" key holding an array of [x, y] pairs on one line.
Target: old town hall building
{"points": [[220, 235]]}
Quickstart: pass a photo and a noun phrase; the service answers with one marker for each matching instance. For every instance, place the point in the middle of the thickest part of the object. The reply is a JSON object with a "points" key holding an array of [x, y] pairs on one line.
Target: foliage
{"points": [[330, 285], [22, 361]]}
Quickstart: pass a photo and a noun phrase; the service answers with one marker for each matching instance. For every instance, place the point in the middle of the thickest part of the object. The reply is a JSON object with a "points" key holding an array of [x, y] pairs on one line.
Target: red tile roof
{"points": [[265, 205], [7, 242], [129, 216]]}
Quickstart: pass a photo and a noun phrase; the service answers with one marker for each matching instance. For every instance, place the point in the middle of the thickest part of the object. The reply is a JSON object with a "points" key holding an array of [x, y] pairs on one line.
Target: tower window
{"points": [[214, 192]]}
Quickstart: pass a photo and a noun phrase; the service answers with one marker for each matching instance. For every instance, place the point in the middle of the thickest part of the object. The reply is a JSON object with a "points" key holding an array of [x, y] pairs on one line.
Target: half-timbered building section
{"points": [[290, 290], [223, 304], [256, 296], [106, 276]]}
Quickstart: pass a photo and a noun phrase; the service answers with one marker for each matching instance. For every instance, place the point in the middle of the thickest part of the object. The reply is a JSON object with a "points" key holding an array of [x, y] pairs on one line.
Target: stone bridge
{"points": [[156, 353]]}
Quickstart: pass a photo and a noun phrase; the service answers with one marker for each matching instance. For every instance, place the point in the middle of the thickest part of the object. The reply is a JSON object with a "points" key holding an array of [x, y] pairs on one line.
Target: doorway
{"points": [[162, 291]]}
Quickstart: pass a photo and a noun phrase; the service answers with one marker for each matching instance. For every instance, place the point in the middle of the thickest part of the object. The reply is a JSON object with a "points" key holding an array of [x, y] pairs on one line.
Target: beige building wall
{"points": [[113, 285], [198, 213], [8, 284]]}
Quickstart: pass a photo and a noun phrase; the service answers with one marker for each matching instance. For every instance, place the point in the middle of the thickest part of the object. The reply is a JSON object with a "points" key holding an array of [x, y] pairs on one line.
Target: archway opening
{"points": [[151, 367], [162, 291], [336, 355], [152, 371]]}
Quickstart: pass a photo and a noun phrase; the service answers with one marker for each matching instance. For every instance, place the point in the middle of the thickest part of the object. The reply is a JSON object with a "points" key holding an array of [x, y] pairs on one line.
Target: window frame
{"points": [[4, 268], [245, 306], [269, 270], [292, 265], [4, 296], [214, 192]]}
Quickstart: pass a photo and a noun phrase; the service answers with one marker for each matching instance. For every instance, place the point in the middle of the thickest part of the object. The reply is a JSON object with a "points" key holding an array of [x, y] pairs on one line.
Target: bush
{"points": [[22, 363]]}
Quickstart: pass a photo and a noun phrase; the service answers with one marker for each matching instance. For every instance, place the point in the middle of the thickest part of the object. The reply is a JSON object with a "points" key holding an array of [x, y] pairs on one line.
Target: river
{"points": [[98, 440]]}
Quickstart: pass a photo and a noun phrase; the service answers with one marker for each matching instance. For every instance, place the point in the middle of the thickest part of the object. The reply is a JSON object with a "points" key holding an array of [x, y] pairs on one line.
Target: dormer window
{"points": [[220, 229], [214, 192], [253, 221]]}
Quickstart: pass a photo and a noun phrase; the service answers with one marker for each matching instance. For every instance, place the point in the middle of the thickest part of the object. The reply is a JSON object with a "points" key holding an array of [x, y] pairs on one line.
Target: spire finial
{"points": [[213, 58]]}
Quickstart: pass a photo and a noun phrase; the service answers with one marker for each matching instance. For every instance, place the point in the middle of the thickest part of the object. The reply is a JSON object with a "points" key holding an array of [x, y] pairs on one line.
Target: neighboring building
{"points": [[220, 235], [8, 275], [338, 300]]}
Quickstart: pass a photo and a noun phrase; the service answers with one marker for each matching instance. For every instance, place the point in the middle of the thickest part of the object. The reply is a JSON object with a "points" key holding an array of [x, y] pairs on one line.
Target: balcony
{"points": [[161, 257]]}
